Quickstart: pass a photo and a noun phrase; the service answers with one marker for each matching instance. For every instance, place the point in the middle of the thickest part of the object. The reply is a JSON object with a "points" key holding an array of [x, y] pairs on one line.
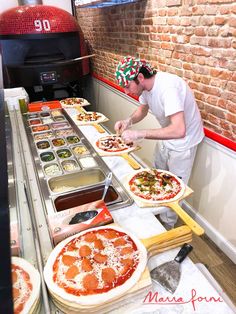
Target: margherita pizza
{"points": [[74, 101], [26, 285], [156, 186], [95, 266], [113, 144], [90, 117]]}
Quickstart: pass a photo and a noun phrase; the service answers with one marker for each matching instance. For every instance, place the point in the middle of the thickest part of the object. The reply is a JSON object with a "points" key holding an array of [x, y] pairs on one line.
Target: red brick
{"points": [[231, 117], [220, 20], [232, 22], [225, 125], [215, 111], [219, 43], [212, 100], [170, 3], [201, 51], [225, 9], [198, 10], [231, 107], [167, 46], [222, 103], [162, 12], [228, 134], [212, 127], [187, 66], [200, 31], [213, 119]]}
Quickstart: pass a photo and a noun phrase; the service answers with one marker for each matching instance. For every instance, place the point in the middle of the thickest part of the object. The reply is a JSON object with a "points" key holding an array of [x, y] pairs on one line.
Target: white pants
{"points": [[180, 164]]}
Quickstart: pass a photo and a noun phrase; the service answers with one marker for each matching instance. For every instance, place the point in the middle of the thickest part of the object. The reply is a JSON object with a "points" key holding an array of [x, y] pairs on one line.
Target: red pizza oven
{"points": [[40, 45]]}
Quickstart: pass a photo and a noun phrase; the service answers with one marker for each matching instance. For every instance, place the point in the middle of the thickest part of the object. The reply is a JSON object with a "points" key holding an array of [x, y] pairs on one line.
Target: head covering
{"points": [[129, 68]]}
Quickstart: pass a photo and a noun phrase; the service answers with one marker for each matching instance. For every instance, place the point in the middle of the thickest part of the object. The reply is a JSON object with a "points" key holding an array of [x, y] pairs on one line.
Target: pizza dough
{"points": [[73, 102], [95, 266], [113, 145], [89, 117], [155, 186], [26, 285]]}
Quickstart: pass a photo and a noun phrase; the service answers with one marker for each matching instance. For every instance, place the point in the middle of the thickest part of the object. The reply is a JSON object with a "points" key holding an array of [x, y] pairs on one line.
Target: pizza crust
{"points": [[77, 102], [34, 279], [100, 298], [115, 153], [102, 118], [136, 197]]}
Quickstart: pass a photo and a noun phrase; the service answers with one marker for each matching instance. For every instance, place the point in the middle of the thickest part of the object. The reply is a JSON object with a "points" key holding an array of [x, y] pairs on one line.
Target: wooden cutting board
{"points": [[167, 240]]}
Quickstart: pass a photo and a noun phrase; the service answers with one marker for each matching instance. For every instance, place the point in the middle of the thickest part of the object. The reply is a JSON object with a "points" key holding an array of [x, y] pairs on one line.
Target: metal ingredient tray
{"points": [[45, 181]]}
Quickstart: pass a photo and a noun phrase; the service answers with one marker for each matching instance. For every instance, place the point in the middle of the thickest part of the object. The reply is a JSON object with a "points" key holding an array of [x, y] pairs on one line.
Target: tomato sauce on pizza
{"points": [[88, 117], [73, 101], [22, 288], [95, 262], [113, 143], [156, 185]]}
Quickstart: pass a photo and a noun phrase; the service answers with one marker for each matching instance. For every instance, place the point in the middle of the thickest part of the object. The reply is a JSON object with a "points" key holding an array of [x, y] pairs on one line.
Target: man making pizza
{"points": [[171, 101]]}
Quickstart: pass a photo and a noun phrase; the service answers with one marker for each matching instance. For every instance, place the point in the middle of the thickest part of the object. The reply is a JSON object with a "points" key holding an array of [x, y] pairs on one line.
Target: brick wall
{"points": [[195, 39]]}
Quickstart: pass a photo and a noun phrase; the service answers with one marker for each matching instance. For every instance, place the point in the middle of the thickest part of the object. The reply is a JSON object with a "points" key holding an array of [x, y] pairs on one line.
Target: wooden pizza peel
{"points": [[174, 205], [154, 245], [96, 125], [126, 155]]}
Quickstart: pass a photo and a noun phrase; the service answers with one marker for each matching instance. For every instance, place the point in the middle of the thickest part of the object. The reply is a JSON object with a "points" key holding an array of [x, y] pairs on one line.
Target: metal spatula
{"points": [[168, 274]]}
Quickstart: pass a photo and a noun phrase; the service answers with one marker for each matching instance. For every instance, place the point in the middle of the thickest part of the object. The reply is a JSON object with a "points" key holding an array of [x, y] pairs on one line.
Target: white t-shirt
{"points": [[171, 94]]}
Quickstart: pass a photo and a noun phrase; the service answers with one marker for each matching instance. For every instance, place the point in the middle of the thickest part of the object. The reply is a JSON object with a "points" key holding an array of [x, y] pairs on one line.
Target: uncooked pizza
{"points": [[95, 265], [113, 144], [154, 185], [26, 285], [73, 101], [90, 116]]}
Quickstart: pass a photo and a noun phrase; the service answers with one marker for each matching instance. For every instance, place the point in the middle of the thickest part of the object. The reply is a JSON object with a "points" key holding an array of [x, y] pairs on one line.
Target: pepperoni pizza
{"points": [[26, 285], [95, 266], [156, 186]]}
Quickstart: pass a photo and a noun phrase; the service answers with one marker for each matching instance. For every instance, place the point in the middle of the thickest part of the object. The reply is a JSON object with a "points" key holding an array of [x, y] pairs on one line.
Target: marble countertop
{"points": [[195, 294]]}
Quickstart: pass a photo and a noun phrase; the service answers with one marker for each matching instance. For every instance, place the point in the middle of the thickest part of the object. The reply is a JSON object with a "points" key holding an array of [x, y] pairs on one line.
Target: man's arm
{"points": [[139, 114], [176, 129]]}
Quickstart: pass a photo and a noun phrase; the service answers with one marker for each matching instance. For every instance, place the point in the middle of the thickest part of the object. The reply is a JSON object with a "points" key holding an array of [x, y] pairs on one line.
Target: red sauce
{"points": [[152, 196], [108, 286], [26, 295]]}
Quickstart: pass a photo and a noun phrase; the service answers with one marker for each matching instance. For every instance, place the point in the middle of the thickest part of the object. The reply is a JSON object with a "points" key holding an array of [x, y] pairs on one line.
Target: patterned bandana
{"points": [[129, 68]]}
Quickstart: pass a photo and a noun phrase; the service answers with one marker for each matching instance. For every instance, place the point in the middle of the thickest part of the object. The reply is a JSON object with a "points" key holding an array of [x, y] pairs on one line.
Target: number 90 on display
{"points": [[42, 25]]}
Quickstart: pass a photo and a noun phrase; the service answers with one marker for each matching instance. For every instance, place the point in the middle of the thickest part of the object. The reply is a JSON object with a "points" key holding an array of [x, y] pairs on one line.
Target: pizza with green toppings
{"points": [[156, 186]]}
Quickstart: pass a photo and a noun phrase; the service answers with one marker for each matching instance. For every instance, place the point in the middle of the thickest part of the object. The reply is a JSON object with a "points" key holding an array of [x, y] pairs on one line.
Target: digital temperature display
{"points": [[48, 77]]}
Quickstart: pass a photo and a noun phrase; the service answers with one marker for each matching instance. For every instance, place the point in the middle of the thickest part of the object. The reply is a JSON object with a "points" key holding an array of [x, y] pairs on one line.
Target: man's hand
{"points": [[130, 136], [122, 125]]}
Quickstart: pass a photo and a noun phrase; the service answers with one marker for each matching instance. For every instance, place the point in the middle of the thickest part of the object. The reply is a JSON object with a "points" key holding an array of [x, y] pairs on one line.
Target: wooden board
{"points": [[167, 240]]}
